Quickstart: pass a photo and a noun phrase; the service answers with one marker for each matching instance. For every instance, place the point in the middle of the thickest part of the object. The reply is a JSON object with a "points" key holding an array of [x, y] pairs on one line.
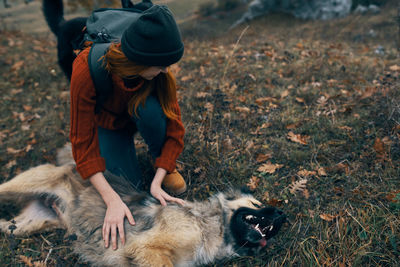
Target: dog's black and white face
{"points": [[252, 224], [253, 227]]}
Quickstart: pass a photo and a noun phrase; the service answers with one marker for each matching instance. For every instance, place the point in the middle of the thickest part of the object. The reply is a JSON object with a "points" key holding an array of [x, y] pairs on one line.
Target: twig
{"points": [[47, 241], [47, 257], [233, 51], [398, 24]]}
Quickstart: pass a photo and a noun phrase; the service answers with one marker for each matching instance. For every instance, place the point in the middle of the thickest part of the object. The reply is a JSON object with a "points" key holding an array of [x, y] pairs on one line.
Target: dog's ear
{"points": [[126, 4], [246, 190]]}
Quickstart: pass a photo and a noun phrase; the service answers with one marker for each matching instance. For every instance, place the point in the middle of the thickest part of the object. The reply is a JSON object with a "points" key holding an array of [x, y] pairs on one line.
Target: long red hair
{"points": [[164, 84]]}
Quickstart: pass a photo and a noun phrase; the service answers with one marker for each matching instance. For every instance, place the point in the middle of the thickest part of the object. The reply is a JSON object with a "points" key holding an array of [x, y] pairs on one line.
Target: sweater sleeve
{"points": [[83, 133], [173, 145]]}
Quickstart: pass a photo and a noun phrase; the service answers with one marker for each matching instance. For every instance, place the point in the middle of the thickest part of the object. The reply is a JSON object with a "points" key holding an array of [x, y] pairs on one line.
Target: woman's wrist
{"points": [[159, 176], [103, 187]]}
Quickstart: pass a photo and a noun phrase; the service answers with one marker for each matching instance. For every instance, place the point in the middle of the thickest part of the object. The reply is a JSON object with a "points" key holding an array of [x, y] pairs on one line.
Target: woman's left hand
{"points": [[158, 193]]}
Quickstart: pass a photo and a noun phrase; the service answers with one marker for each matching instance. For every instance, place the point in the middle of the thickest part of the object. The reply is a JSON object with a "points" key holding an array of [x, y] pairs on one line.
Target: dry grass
{"points": [[326, 83]]}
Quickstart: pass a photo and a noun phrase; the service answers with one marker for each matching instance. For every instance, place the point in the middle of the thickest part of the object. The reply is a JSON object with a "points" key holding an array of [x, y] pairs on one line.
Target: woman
{"points": [[144, 99]]}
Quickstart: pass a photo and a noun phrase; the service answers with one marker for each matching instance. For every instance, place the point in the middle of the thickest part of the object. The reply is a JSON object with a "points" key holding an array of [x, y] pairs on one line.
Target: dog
{"points": [[226, 225], [70, 33]]}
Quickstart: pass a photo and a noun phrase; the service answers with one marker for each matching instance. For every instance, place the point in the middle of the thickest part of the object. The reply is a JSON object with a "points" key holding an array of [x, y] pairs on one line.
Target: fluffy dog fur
{"points": [[226, 225]]}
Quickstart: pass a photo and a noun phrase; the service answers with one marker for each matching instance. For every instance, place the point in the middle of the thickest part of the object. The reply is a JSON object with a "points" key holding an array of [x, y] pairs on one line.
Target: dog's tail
{"points": [[53, 11]]}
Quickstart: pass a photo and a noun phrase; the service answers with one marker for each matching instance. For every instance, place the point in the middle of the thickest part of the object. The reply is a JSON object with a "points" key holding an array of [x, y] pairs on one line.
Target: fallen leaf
{"points": [[209, 106], [243, 109], [343, 167], [253, 183], [26, 260], [242, 98], [298, 186], [394, 68], [202, 71], [305, 173], [306, 194], [327, 217], [300, 45], [25, 127], [11, 150], [269, 167], [252, 77], [386, 141], [39, 264], [27, 108], [263, 157], [202, 94], [369, 91], [284, 93], [300, 100], [3, 135], [265, 196], [293, 125], [379, 147], [180, 167], [249, 145], [346, 128], [265, 125], [16, 91], [321, 171], [297, 138], [64, 95], [262, 100], [28, 148], [392, 196], [227, 116], [20, 116], [186, 78], [17, 65], [197, 170], [227, 143], [175, 69], [11, 164], [275, 202]]}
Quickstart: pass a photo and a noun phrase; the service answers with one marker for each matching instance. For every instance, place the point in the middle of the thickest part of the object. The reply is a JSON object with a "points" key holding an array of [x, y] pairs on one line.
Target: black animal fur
{"points": [[70, 33]]}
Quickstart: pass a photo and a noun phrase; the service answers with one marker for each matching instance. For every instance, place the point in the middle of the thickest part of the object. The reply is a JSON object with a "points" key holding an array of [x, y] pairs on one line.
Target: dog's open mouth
{"points": [[253, 227], [261, 225]]}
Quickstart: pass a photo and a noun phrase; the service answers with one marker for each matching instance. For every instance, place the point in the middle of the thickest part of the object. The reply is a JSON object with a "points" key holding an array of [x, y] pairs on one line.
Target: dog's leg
{"points": [[40, 195], [35, 217]]}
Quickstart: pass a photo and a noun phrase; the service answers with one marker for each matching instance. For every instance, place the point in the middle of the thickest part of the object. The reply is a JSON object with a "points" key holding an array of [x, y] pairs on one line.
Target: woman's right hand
{"points": [[114, 222], [116, 211]]}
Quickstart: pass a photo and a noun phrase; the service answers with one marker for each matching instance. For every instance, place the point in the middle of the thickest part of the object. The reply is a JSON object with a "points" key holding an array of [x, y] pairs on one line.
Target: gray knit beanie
{"points": [[153, 39]]}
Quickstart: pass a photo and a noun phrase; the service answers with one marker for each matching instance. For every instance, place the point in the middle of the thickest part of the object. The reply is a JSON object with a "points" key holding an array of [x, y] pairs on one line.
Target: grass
{"points": [[324, 82]]}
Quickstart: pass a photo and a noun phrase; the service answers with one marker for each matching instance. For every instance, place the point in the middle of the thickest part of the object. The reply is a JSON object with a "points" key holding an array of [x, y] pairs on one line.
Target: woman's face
{"points": [[152, 72]]}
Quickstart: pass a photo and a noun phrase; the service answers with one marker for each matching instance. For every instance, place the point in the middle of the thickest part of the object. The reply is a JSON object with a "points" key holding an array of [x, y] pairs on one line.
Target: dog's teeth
{"points": [[268, 228], [258, 225], [249, 217]]}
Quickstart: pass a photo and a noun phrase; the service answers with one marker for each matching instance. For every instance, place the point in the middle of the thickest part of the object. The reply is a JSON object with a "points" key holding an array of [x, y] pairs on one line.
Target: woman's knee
{"points": [[151, 112]]}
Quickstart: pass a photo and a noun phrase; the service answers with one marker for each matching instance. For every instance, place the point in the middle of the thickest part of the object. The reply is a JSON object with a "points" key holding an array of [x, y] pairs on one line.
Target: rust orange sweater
{"points": [[84, 122]]}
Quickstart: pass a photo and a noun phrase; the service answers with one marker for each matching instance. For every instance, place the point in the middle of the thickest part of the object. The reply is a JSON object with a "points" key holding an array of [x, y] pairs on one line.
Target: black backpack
{"points": [[104, 27]]}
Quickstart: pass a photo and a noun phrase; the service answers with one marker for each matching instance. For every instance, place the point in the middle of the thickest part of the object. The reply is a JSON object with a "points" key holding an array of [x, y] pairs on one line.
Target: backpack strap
{"points": [[101, 77]]}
